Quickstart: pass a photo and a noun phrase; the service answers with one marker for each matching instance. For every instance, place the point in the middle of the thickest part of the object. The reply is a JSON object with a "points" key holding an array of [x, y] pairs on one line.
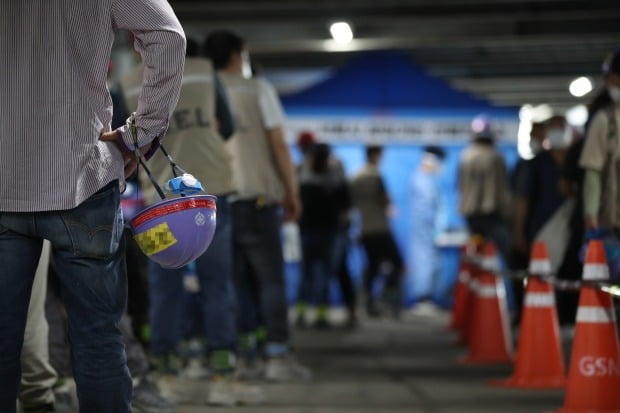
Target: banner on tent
{"points": [[354, 129]]}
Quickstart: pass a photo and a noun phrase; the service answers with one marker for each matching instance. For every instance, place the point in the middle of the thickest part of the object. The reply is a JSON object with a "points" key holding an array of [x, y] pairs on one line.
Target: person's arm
{"points": [[273, 119], [503, 184], [223, 114], [592, 189], [523, 193], [384, 197], [286, 170], [160, 40], [522, 206], [593, 159]]}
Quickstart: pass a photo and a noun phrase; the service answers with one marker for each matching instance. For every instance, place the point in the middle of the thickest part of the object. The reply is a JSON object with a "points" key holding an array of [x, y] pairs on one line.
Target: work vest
{"points": [[192, 139], [609, 215], [254, 167]]}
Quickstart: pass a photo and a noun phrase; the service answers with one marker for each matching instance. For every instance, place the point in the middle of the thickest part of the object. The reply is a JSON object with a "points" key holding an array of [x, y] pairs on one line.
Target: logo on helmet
{"points": [[200, 219]]}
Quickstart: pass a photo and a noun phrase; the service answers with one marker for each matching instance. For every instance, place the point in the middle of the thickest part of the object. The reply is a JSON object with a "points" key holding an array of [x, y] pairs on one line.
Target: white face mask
{"points": [[535, 146], [614, 93], [559, 138], [246, 66]]}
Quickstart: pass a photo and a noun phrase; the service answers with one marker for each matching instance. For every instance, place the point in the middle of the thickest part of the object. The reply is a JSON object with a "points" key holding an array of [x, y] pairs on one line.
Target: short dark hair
{"points": [[193, 47], [220, 45], [373, 150], [436, 150], [320, 158], [555, 119]]}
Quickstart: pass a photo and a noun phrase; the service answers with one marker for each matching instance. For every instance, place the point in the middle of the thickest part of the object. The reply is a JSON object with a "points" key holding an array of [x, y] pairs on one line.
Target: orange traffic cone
{"points": [[473, 260], [594, 373], [490, 340], [540, 361], [461, 292]]}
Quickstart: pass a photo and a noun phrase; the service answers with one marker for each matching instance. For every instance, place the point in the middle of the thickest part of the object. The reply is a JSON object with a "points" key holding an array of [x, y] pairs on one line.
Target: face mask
{"points": [[246, 66], [535, 146], [559, 138], [614, 93], [185, 184]]}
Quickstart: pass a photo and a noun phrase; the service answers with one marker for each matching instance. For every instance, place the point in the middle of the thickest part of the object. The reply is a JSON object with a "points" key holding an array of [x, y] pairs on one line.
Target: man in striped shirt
{"points": [[61, 168]]}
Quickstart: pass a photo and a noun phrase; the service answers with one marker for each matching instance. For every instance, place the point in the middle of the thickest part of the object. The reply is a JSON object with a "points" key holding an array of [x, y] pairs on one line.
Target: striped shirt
{"points": [[54, 102]]}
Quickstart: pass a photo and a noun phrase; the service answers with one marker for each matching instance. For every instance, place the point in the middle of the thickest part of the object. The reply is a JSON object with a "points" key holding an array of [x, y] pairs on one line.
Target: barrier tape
{"points": [[558, 284]]}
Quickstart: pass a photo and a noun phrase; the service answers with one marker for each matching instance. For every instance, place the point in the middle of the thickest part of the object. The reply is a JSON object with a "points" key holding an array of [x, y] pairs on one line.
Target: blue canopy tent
{"points": [[384, 98]]}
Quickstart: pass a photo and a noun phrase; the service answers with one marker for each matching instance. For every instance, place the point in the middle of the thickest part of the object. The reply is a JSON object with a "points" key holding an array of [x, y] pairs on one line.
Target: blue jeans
{"points": [[318, 266], [86, 248], [214, 270], [259, 273]]}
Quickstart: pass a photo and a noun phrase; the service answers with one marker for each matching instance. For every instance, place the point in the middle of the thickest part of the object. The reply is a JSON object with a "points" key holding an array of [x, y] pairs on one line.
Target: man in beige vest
{"points": [[600, 157], [199, 126], [484, 188], [267, 186]]}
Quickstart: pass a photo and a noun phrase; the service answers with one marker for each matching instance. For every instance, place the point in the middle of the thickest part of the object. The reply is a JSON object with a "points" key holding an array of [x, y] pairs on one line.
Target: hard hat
{"points": [[174, 232]]}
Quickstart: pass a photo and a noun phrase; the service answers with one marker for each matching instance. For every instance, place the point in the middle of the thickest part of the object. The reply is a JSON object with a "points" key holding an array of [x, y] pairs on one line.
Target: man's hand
{"points": [[292, 208], [129, 159]]}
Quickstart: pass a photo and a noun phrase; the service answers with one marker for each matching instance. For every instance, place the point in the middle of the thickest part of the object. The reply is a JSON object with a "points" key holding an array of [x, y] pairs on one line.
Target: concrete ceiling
{"points": [[511, 52]]}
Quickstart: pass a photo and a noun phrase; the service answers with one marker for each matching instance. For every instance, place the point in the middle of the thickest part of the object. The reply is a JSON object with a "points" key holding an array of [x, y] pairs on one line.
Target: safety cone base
{"points": [[543, 383]]}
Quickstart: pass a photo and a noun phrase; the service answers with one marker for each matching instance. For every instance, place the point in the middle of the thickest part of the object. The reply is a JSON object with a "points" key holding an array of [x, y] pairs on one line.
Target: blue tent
{"points": [[387, 81], [384, 97]]}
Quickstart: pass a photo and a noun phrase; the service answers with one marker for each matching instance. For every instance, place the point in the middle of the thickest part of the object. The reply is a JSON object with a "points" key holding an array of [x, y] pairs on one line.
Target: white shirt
{"points": [[270, 106]]}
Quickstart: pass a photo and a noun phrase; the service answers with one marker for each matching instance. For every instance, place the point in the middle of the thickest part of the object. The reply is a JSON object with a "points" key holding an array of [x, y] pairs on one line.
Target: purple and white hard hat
{"points": [[174, 232], [481, 127]]}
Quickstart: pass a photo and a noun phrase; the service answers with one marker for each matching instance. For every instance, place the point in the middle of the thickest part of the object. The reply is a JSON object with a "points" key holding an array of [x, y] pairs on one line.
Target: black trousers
{"points": [[382, 251], [259, 270]]}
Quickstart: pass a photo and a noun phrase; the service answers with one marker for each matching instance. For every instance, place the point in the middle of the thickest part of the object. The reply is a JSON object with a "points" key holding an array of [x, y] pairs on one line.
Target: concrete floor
{"points": [[393, 367]]}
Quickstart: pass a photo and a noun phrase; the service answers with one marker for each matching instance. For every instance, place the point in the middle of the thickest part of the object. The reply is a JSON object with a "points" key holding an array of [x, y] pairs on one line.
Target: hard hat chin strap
{"points": [[176, 169], [142, 161]]}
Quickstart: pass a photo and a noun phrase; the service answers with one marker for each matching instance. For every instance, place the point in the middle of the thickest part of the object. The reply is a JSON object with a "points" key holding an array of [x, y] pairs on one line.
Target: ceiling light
{"points": [[341, 32], [580, 87]]}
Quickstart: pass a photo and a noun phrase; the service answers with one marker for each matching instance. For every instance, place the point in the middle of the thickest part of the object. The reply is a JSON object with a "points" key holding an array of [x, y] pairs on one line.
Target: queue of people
{"points": [[566, 194]]}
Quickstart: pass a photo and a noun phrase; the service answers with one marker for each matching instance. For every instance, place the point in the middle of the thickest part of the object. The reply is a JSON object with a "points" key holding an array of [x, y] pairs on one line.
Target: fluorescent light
{"points": [[341, 32], [580, 87]]}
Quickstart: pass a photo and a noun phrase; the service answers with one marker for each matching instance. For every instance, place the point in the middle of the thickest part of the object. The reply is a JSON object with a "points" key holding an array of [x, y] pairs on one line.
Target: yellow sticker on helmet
{"points": [[155, 239]]}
